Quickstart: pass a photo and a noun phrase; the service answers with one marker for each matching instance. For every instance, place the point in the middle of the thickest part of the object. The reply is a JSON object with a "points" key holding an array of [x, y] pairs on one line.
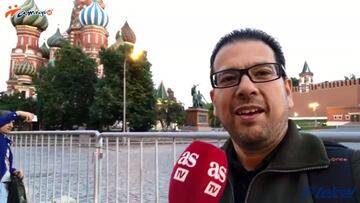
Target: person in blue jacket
{"points": [[6, 158]]}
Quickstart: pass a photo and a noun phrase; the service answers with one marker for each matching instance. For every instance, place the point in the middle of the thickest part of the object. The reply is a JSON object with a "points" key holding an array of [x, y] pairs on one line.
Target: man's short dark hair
{"points": [[246, 35]]}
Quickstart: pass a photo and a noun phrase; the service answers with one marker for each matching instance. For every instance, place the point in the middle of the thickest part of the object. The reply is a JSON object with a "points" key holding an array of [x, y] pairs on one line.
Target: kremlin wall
{"points": [[338, 101]]}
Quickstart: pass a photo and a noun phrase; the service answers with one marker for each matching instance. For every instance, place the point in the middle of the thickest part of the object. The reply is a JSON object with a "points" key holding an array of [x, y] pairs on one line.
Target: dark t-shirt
{"points": [[242, 177]]}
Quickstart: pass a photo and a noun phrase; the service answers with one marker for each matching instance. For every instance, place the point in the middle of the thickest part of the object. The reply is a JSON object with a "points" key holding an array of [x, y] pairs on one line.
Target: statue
{"points": [[170, 93], [200, 102], [197, 98]]}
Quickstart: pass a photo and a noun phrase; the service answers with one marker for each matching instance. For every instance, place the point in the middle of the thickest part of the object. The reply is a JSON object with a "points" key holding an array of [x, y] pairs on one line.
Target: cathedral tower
{"points": [[26, 57], [306, 78], [94, 35]]}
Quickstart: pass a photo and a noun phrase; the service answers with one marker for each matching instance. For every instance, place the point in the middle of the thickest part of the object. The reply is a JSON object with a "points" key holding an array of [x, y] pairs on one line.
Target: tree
{"points": [[17, 101], [350, 77], [294, 81], [213, 121], [169, 111], [140, 99], [66, 89]]}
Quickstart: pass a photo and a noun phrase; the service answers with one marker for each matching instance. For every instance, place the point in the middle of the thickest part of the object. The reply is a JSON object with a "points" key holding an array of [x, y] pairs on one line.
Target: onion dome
{"points": [[21, 17], [93, 15], [127, 34], [56, 40], [45, 51], [24, 68]]}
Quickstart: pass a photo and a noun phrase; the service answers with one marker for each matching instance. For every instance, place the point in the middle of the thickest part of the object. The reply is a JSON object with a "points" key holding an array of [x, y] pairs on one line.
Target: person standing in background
{"points": [[7, 119]]}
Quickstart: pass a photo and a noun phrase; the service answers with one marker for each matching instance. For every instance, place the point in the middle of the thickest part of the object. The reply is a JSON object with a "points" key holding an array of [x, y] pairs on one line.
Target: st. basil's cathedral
{"points": [[87, 30]]}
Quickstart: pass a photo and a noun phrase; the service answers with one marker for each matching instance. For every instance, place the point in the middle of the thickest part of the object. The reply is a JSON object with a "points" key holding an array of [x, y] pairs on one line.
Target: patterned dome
{"points": [[93, 15], [24, 68], [38, 21], [45, 50], [56, 40], [127, 34]]}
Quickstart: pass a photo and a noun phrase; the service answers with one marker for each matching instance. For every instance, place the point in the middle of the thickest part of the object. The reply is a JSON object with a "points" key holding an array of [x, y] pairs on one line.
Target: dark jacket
{"points": [[286, 176], [4, 145]]}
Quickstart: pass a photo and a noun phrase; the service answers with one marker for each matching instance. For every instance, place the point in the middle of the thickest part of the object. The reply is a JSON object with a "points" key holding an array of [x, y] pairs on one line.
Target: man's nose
{"points": [[246, 87]]}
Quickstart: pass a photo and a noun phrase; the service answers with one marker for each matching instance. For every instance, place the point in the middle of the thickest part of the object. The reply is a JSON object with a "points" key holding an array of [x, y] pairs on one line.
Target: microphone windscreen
{"points": [[199, 175]]}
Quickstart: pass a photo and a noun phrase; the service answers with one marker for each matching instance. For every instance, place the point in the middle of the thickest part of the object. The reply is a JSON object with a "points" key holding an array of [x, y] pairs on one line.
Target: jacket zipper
{"points": [[232, 191], [279, 171]]}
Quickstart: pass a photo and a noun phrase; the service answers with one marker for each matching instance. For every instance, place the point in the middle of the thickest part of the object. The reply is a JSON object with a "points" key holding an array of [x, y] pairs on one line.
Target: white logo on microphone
{"points": [[188, 159], [212, 189], [216, 171], [181, 174]]}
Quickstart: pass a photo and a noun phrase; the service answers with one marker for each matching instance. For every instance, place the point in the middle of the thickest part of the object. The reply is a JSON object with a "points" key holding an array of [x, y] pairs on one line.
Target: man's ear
{"points": [[288, 89]]}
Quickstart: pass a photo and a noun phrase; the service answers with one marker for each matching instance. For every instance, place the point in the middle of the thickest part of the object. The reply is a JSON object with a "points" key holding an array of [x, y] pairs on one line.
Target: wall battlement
{"points": [[327, 85]]}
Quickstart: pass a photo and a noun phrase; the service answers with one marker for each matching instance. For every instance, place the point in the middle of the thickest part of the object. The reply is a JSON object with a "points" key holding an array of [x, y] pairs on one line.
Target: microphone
{"points": [[199, 175]]}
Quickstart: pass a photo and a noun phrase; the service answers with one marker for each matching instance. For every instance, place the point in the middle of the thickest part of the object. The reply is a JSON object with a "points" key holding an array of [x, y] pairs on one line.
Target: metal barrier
{"points": [[57, 164], [109, 167]]}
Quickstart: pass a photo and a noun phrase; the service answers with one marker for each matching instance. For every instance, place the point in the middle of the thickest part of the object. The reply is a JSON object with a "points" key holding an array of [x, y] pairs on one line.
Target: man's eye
{"points": [[226, 78], [263, 73]]}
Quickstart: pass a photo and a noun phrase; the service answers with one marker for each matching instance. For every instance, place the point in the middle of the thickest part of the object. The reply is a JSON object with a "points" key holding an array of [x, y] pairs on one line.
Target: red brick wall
{"points": [[340, 111], [332, 94]]}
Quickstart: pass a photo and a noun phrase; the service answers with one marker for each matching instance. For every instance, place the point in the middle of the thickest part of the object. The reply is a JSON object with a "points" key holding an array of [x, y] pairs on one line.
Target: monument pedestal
{"points": [[197, 119]]}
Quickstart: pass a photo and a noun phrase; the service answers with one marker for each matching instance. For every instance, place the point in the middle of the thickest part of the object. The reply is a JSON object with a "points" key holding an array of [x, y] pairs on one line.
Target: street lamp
{"points": [[314, 106], [133, 55]]}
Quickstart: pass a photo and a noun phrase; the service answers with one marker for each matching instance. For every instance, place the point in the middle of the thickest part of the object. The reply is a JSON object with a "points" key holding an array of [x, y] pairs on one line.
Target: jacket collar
{"points": [[297, 152], [6, 138]]}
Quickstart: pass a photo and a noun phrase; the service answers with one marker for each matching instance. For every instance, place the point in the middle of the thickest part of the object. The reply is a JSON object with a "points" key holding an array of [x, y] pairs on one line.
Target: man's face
{"points": [[255, 114], [7, 128]]}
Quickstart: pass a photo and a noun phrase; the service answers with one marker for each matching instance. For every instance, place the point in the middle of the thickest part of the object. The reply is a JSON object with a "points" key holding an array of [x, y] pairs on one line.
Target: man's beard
{"points": [[260, 138]]}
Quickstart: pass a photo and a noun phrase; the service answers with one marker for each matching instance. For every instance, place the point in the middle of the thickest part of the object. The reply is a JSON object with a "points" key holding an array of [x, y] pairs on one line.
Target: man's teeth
{"points": [[248, 111]]}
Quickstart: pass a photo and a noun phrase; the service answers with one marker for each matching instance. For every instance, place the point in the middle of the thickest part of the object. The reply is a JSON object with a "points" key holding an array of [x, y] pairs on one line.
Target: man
{"points": [[269, 161], [6, 159]]}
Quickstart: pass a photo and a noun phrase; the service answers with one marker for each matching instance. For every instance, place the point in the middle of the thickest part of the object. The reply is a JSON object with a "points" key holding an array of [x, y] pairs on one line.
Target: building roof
{"points": [[161, 92], [306, 70], [127, 34], [78, 6], [45, 50], [25, 68], [94, 15], [38, 21], [56, 40]]}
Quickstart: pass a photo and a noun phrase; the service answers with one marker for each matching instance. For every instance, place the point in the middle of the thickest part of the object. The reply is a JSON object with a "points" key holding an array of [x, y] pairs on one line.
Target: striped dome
{"points": [[56, 40], [38, 21], [24, 68], [93, 15]]}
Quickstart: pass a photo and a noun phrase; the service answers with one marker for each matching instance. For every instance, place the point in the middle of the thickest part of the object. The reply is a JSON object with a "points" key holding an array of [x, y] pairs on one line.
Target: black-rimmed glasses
{"points": [[258, 73]]}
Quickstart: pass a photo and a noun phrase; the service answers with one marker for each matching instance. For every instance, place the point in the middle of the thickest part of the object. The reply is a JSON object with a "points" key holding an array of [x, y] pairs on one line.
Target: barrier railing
{"points": [[88, 166], [57, 164]]}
